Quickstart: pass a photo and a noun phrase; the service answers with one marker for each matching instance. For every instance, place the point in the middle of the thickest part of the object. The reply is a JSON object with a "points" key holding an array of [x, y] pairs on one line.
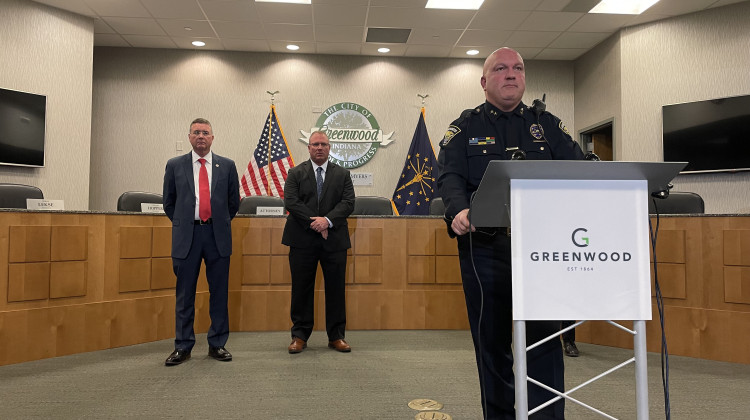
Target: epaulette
{"points": [[454, 129]]}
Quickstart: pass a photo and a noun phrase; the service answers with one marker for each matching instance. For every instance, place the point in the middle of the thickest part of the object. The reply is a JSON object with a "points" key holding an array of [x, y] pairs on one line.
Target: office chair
{"points": [[13, 196], [131, 200], [437, 207], [250, 204], [677, 202], [372, 206]]}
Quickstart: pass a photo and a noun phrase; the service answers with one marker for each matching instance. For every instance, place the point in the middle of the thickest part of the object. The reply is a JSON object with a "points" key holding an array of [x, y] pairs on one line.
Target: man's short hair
{"points": [[201, 121]]}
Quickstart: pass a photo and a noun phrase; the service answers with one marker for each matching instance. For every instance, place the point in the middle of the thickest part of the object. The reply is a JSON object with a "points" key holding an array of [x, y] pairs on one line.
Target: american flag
{"points": [[255, 180]]}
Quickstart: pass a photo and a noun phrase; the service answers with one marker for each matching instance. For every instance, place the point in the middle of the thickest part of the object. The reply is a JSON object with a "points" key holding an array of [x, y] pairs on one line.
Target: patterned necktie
{"points": [[319, 180], [204, 192]]}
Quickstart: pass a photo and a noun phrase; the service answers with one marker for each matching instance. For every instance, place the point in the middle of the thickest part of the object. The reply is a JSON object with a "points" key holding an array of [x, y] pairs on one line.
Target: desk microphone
{"points": [[592, 156]]}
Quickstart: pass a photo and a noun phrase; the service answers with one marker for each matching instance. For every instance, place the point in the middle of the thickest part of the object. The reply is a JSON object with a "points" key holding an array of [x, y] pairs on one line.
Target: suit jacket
{"points": [[301, 201], [179, 202]]}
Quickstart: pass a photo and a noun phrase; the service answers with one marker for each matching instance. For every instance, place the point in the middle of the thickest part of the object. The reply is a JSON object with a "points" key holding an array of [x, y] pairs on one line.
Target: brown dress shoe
{"points": [[340, 345], [297, 345]]}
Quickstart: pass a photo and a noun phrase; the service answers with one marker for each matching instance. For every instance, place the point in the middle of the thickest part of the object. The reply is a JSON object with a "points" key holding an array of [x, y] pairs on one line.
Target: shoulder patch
{"points": [[449, 134], [563, 128]]}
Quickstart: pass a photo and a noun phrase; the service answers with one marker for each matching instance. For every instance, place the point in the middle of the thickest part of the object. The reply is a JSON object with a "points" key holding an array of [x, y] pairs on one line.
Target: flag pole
{"points": [[270, 139]]}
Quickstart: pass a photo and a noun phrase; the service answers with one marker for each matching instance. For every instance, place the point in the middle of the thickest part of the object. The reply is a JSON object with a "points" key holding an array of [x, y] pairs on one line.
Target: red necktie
{"points": [[204, 209]]}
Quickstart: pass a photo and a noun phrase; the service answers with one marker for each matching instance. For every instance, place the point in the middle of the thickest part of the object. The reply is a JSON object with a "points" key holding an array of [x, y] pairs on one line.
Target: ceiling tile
{"points": [[285, 13], [75, 6], [644, 18], [389, 17], [428, 50], [492, 20], [678, 7], [398, 3], [198, 28], [725, 2], [174, 9], [552, 5], [240, 30], [506, 5], [527, 53], [134, 26], [434, 37], [597, 22], [474, 38], [101, 27], [338, 48], [144, 41], [343, 2], [444, 19], [531, 39], [579, 39], [122, 8], [109, 40], [549, 21], [329, 14], [230, 10], [245, 44], [560, 54], [286, 32], [346, 34]]}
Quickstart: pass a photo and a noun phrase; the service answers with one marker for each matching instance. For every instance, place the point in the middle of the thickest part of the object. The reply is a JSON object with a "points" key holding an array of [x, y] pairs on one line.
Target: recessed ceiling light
{"points": [[187, 28], [454, 4], [472, 52], [292, 47], [383, 50], [623, 7], [199, 43], [284, 1]]}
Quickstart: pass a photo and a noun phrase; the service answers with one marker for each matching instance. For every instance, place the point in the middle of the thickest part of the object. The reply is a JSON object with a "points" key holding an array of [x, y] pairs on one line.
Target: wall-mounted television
{"points": [[712, 136], [22, 128]]}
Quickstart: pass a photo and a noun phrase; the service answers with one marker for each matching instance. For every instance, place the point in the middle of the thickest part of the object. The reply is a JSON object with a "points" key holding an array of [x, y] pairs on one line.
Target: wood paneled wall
{"points": [[78, 282], [703, 266]]}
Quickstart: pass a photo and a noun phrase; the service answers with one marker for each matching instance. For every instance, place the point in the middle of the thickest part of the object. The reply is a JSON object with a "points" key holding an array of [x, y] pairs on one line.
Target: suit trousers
{"points": [[303, 263], [489, 306], [203, 248]]}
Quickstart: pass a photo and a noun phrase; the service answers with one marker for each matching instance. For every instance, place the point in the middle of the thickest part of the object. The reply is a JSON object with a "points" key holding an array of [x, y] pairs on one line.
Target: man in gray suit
{"points": [[201, 197], [319, 196]]}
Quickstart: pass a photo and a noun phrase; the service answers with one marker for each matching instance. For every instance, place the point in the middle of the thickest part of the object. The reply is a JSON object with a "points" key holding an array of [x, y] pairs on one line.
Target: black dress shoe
{"points": [[570, 349], [220, 353], [178, 356]]}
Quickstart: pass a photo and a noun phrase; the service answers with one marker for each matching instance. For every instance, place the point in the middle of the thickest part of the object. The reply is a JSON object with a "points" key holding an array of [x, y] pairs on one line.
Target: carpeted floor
{"points": [[385, 370]]}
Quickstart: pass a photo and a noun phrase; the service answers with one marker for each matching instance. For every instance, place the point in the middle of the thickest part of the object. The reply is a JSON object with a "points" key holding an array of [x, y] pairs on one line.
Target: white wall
{"points": [[49, 52], [145, 99]]}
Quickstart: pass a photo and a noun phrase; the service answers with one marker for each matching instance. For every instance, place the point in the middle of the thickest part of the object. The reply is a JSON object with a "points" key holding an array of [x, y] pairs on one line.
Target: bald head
{"points": [[504, 78]]}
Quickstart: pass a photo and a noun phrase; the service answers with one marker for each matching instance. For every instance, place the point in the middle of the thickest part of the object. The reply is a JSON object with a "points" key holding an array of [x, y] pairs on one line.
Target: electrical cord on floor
{"points": [[660, 305], [481, 312]]}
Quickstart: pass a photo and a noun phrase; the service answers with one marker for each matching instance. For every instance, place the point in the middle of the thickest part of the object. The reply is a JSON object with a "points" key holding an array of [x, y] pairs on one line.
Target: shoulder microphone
{"points": [[538, 106]]}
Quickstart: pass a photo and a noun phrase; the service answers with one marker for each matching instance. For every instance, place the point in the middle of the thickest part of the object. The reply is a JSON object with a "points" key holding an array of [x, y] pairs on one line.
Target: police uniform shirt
{"points": [[486, 133]]}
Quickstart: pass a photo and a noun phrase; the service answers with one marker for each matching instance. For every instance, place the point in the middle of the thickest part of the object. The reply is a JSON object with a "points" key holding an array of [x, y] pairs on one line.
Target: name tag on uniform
{"points": [[481, 141]]}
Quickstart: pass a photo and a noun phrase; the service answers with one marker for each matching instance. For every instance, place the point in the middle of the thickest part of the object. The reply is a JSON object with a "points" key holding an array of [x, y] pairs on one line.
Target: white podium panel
{"points": [[580, 249]]}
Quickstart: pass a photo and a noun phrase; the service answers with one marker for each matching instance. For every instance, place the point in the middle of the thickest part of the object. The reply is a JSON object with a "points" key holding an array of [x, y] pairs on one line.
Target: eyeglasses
{"points": [[323, 145], [199, 132]]}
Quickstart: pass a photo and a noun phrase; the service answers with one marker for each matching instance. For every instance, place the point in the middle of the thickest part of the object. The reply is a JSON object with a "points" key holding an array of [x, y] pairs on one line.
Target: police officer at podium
{"points": [[501, 128]]}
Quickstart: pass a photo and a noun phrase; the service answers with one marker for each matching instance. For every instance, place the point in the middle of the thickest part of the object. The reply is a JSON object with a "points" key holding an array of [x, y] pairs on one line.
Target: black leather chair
{"points": [[13, 196], [131, 200], [677, 202], [372, 206], [437, 207], [250, 204]]}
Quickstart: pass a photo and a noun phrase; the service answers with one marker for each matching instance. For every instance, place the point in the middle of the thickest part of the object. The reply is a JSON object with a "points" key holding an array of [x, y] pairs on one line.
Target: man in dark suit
{"points": [[319, 196], [201, 196]]}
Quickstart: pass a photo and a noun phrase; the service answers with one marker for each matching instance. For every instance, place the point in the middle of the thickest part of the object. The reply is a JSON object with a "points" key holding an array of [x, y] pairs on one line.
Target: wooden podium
{"points": [[580, 249]]}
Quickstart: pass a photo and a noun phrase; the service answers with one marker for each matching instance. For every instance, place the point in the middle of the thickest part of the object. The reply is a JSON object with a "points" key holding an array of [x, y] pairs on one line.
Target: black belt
{"points": [[201, 222]]}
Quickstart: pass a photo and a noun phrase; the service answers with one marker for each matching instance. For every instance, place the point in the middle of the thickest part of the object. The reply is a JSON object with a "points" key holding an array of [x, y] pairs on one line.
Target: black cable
{"points": [[660, 306], [481, 312]]}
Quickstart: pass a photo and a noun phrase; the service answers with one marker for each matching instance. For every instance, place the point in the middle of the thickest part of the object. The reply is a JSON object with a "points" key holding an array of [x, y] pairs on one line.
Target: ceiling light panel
{"points": [[454, 4], [623, 7]]}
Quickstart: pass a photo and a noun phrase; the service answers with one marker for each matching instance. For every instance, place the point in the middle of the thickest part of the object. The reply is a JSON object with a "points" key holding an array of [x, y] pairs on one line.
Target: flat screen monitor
{"points": [[712, 135], [22, 128]]}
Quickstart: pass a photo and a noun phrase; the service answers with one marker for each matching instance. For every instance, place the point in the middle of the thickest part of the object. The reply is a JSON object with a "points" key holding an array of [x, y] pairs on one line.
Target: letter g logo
{"points": [[580, 241]]}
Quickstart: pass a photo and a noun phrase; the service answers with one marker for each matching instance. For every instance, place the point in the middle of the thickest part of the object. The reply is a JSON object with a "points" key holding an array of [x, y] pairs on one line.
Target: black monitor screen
{"points": [[710, 135], [22, 128]]}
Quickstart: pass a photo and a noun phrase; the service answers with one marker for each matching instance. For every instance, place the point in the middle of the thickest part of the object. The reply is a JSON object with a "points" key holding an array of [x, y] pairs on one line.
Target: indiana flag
{"points": [[260, 177], [417, 185]]}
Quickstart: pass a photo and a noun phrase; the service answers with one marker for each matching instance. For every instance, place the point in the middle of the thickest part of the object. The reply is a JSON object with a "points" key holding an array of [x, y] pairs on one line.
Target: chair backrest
{"points": [[372, 206], [13, 196], [437, 207], [131, 200], [677, 202], [250, 204]]}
